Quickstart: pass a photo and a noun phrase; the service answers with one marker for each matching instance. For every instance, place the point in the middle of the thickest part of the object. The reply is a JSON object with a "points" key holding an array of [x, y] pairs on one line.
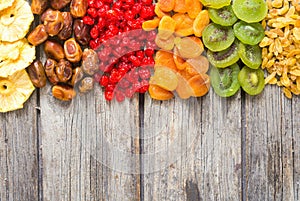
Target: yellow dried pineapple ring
{"points": [[15, 21], [5, 4], [14, 91], [15, 56]]}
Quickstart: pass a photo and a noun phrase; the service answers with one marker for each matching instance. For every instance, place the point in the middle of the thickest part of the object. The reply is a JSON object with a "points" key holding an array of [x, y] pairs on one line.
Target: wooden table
{"points": [[209, 148]]}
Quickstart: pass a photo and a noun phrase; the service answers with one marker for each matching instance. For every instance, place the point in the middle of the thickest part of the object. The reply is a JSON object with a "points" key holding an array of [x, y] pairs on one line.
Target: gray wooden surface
{"points": [[240, 148]]}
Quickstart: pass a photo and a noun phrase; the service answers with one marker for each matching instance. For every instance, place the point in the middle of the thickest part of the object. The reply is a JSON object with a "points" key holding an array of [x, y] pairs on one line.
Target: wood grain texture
{"points": [[72, 168], [209, 152], [269, 156], [18, 153], [296, 146]]}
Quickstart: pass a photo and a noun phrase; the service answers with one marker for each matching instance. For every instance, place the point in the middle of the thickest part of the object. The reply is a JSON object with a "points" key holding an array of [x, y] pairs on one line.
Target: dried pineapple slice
{"points": [[15, 21], [5, 4], [14, 91], [15, 56]]}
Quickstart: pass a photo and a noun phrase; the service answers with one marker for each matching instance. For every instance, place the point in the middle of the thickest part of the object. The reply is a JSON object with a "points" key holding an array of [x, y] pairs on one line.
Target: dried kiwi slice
{"points": [[250, 55], [215, 3], [225, 57], [223, 16], [251, 80], [225, 80], [217, 38], [250, 10], [249, 33]]}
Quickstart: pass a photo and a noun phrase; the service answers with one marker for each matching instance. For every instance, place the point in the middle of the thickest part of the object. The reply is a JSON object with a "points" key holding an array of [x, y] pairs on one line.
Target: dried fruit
{"points": [[50, 66], [76, 76], [63, 70], [78, 8], [166, 5], [72, 50], [165, 78], [5, 4], [15, 56], [63, 92], [15, 21], [66, 31], [90, 61], [200, 84], [14, 91], [86, 84], [81, 32], [38, 6], [189, 47], [54, 50], [37, 74], [166, 27], [159, 93], [59, 4], [201, 21], [53, 21], [38, 35]]}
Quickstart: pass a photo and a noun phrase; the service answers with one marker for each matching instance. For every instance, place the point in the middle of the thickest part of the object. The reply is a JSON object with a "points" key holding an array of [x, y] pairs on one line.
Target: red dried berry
{"points": [[88, 20], [109, 95], [104, 81]]}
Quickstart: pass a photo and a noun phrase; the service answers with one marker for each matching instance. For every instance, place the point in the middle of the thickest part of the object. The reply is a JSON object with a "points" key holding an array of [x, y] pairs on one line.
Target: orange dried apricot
{"points": [[165, 58], [178, 60], [159, 12], [189, 47], [184, 24], [164, 77], [200, 84], [151, 24], [166, 27], [193, 7], [183, 89], [200, 64], [159, 93], [166, 5], [180, 6], [167, 44], [201, 21]]}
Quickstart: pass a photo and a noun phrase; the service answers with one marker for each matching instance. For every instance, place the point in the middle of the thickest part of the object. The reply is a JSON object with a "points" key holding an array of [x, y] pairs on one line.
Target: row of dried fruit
{"points": [[124, 35]]}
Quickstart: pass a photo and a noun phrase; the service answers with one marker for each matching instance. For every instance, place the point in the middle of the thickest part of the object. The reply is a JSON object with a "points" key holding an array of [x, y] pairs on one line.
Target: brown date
{"points": [[37, 74], [76, 77], [59, 4], [38, 6], [78, 8], [90, 61], [81, 32], [66, 31], [54, 50], [53, 21], [38, 35], [87, 84], [63, 92], [63, 70], [72, 50], [50, 66]]}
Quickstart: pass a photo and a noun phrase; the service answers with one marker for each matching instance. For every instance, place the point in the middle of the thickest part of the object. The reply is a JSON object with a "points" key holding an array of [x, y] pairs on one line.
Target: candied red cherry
{"points": [[140, 54], [120, 96], [92, 12], [144, 73], [135, 60], [129, 92], [91, 3], [136, 8], [149, 52], [147, 2], [110, 87], [94, 32], [104, 80], [109, 95], [147, 12], [129, 15], [88, 20]]}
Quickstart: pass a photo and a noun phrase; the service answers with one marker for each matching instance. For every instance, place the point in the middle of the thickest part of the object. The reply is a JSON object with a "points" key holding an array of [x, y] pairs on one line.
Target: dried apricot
{"points": [[159, 12], [189, 47], [165, 78], [159, 93], [165, 58], [183, 89], [201, 21], [200, 84], [193, 7], [184, 24], [200, 64], [151, 24], [166, 27], [167, 44], [180, 6], [166, 5], [179, 61]]}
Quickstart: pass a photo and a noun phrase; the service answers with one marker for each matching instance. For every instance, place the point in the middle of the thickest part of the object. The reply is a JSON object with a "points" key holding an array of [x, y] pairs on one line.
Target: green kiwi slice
{"points": [[215, 3], [251, 80], [248, 33], [223, 16], [225, 80], [225, 57], [217, 38], [250, 10], [250, 55]]}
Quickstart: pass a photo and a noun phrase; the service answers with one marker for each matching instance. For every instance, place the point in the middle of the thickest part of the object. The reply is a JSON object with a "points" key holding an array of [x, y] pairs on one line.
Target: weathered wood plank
{"points": [[296, 146], [78, 164], [208, 138], [18, 153], [269, 159]]}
